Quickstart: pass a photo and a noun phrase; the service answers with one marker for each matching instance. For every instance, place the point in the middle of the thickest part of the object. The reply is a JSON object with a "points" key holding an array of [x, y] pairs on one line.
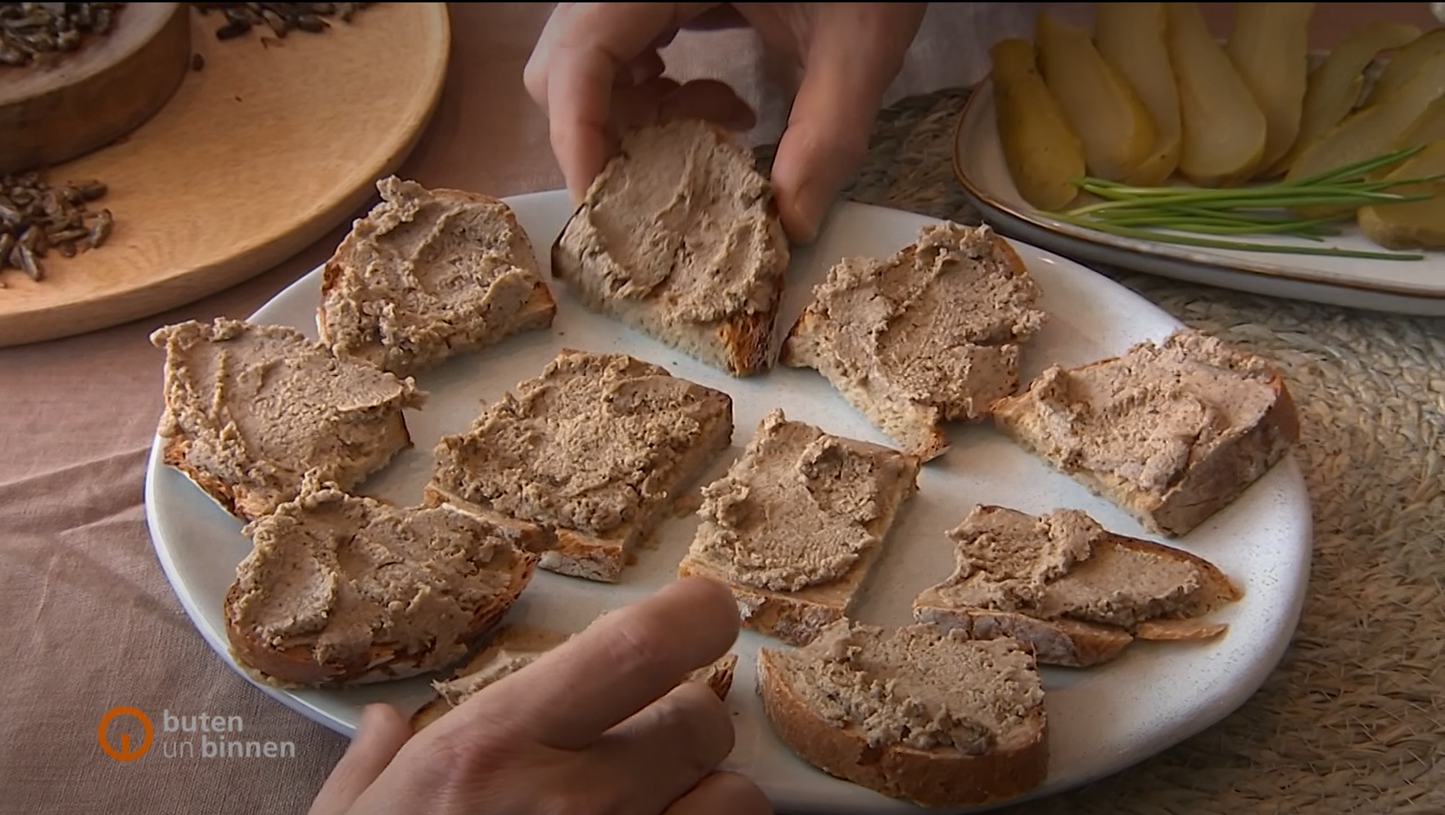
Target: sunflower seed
{"points": [[100, 230], [37, 218], [39, 33], [281, 18], [22, 258]]}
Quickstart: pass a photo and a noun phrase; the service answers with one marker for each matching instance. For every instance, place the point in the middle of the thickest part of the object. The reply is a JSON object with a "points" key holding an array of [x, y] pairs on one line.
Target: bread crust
{"points": [[536, 313], [1081, 643], [1208, 485], [297, 666], [741, 343], [928, 778]]}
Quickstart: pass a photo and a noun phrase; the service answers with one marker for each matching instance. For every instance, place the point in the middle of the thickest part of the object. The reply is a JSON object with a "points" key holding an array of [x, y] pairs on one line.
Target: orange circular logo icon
{"points": [[125, 752]]}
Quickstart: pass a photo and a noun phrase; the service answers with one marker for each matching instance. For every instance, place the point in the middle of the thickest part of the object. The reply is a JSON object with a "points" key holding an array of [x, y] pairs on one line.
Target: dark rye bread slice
{"points": [[590, 454], [428, 274], [515, 647], [1172, 432], [797, 525], [679, 238], [912, 713], [342, 590], [929, 335], [1073, 592], [250, 410]]}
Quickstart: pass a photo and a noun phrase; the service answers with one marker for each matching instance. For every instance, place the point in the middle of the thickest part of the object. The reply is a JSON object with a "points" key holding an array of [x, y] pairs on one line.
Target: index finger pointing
{"points": [[623, 662]]}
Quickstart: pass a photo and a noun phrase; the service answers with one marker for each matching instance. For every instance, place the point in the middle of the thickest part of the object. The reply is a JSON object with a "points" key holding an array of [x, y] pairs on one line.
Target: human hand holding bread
{"points": [[596, 72], [601, 723]]}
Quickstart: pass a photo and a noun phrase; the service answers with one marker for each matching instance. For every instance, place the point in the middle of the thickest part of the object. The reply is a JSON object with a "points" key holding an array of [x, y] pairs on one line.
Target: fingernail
{"points": [[809, 206], [371, 717]]}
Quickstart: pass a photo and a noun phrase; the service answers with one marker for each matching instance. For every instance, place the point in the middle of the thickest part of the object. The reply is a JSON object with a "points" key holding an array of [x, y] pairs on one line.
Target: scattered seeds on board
{"points": [[42, 33], [278, 19], [37, 218]]}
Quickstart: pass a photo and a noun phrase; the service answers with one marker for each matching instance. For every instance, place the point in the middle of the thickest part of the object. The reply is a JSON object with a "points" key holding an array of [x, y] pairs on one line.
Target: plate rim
{"points": [[1249, 678], [1177, 255]]}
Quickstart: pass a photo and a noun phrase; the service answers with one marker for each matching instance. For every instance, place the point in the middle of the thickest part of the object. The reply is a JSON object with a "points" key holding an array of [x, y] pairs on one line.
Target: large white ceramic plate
{"points": [[1406, 287], [1100, 721]]}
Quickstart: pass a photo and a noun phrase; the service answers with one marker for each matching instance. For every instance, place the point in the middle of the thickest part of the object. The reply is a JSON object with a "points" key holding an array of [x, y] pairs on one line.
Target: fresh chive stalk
{"points": [[1139, 212]]}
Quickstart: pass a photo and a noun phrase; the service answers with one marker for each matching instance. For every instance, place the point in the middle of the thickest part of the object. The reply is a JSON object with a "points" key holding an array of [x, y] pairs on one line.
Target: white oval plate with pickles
{"points": [[1405, 287], [1100, 720]]}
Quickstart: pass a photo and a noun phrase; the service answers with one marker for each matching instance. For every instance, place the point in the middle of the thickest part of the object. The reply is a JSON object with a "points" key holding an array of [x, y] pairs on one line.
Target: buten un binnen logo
{"points": [[126, 751], [173, 735]]}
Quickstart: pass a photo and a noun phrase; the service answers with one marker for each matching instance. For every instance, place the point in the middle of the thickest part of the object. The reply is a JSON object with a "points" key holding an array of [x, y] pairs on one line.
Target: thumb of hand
{"points": [[381, 735]]}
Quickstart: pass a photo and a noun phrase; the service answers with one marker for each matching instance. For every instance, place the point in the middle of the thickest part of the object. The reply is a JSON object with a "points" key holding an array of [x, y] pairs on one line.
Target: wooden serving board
{"points": [[109, 87], [255, 157]]}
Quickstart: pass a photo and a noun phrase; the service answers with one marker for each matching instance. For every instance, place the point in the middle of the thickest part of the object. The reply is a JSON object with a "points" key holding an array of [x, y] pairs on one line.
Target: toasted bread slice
{"points": [[1071, 591], [514, 648], [797, 524], [428, 274], [915, 713], [679, 238], [929, 335], [592, 452], [250, 409], [1171, 432], [341, 590]]}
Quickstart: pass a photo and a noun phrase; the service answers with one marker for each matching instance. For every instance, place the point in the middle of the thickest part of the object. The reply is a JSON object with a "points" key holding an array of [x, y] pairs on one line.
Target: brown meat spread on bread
{"points": [[592, 451], [914, 713], [427, 274], [797, 524], [250, 409], [340, 589], [1075, 593], [1172, 432], [929, 335], [679, 238]]}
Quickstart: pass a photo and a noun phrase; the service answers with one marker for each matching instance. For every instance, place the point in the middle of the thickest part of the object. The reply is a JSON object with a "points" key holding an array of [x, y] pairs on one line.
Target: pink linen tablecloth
{"points": [[87, 620]]}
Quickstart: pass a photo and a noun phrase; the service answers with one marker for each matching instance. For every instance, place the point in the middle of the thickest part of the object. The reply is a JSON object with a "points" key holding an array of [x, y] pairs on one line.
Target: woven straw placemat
{"points": [[1353, 720]]}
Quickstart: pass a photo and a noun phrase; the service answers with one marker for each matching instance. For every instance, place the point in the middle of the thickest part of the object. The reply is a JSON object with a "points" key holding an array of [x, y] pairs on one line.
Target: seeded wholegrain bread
{"points": [[251, 409], [679, 237], [340, 589], [797, 525], [929, 335], [917, 714], [428, 274], [514, 648], [590, 454], [1171, 432], [1073, 592]]}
